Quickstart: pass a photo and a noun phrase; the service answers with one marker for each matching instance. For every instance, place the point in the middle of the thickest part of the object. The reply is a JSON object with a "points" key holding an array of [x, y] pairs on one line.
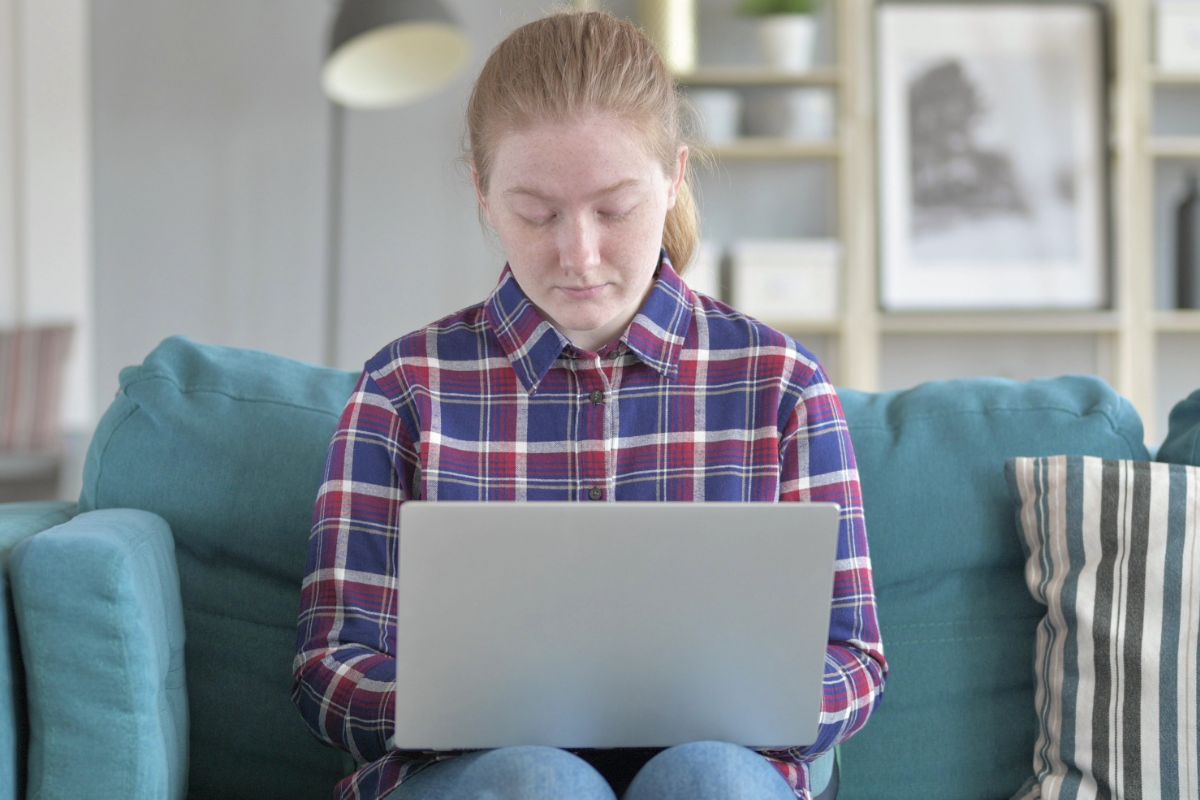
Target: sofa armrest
{"points": [[17, 521], [101, 628]]}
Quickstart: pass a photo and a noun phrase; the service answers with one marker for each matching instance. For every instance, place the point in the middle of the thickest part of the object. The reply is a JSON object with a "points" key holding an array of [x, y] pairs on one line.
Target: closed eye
{"points": [[541, 221], [615, 215]]}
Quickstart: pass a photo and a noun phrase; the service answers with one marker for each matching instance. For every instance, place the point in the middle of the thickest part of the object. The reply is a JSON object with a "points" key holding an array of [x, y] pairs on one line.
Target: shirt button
{"points": [[595, 493], [597, 397]]}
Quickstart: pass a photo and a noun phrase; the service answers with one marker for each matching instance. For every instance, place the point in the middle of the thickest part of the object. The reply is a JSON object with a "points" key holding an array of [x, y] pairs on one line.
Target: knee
{"points": [[717, 770], [532, 773], [719, 752]]}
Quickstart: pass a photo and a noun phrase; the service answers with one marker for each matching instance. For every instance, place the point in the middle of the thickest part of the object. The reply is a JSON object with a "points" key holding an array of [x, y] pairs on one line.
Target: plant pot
{"points": [[788, 41]]}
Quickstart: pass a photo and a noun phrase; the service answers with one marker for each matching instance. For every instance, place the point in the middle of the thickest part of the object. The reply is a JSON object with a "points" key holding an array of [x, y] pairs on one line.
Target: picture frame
{"points": [[993, 171]]}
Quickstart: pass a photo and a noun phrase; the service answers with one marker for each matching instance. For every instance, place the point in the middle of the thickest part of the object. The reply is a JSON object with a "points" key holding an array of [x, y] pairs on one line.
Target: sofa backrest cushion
{"points": [[1182, 445], [957, 717], [228, 446]]}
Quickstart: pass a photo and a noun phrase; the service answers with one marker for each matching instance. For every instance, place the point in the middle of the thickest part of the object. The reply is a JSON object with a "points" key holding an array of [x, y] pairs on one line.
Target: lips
{"points": [[581, 292]]}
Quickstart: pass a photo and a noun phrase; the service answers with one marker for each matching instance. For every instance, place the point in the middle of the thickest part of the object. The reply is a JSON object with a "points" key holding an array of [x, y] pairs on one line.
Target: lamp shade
{"points": [[391, 52]]}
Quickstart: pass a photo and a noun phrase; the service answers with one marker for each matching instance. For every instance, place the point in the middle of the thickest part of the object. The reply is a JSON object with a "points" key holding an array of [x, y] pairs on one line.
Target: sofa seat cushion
{"points": [[228, 446], [957, 718]]}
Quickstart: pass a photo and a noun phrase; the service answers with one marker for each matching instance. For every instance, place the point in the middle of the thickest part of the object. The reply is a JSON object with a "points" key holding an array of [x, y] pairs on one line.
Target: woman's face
{"points": [[579, 207]]}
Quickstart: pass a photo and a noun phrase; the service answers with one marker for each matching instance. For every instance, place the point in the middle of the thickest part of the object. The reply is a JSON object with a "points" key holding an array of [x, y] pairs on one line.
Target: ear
{"points": [[480, 196], [681, 162]]}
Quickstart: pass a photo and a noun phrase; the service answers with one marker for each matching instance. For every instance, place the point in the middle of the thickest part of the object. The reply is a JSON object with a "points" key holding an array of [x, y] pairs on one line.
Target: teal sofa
{"points": [[148, 629]]}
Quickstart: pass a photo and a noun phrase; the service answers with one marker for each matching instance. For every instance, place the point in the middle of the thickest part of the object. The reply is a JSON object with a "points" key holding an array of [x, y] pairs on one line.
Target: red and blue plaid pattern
{"points": [[696, 402]]}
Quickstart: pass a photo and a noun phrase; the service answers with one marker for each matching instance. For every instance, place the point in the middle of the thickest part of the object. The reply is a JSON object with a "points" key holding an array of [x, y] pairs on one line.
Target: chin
{"points": [[581, 317], [586, 325]]}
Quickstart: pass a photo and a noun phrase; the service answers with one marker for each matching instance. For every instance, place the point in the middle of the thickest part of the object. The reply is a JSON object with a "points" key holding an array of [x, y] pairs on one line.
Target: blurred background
{"points": [[172, 167]]}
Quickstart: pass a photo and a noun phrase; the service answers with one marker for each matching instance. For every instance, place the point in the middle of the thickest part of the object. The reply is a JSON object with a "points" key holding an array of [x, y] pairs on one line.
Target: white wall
{"points": [[210, 177], [9, 175], [45, 231], [211, 168]]}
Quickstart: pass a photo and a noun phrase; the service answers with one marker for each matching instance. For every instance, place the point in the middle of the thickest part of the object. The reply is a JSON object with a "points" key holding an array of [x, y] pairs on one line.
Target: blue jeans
{"points": [[693, 771]]}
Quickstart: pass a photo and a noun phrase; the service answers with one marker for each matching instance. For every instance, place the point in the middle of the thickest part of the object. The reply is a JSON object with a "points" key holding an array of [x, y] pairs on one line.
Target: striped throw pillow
{"points": [[1113, 551]]}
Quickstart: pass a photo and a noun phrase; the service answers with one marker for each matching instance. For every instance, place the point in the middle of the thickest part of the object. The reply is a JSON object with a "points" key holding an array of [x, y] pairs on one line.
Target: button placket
{"points": [[595, 396]]}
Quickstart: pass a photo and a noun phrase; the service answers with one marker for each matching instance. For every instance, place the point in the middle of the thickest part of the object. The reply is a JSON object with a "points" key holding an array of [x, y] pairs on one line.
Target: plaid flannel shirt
{"points": [[696, 402]]}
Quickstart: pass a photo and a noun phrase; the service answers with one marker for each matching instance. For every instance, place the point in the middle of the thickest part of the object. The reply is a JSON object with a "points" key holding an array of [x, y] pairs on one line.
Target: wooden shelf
{"points": [[805, 327], [752, 148], [1177, 321], [1181, 147], [1175, 78], [1001, 322], [756, 76]]}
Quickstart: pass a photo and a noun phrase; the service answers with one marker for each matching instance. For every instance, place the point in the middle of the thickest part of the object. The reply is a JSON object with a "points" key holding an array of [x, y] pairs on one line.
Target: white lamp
{"points": [[390, 52]]}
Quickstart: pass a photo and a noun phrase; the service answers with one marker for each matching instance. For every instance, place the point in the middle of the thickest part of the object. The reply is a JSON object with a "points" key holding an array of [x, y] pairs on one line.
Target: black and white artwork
{"points": [[991, 158]]}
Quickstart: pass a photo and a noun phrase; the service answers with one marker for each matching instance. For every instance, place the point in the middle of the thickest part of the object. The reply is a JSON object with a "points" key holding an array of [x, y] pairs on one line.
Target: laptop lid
{"points": [[598, 625]]}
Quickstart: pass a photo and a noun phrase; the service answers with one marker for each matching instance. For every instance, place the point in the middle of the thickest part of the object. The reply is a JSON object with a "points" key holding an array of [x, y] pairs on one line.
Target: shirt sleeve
{"points": [[818, 465], [343, 675]]}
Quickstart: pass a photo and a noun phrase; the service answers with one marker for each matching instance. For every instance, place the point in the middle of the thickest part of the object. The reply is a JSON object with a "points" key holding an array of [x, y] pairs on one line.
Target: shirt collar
{"points": [[532, 344], [658, 331]]}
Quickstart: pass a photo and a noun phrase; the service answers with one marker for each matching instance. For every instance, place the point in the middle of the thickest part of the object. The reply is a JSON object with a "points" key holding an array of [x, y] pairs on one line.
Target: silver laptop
{"points": [[603, 625]]}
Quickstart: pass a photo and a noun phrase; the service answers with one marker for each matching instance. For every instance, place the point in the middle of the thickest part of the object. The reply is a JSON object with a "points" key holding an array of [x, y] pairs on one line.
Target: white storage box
{"points": [[1178, 29], [804, 114], [787, 280], [720, 112], [704, 272]]}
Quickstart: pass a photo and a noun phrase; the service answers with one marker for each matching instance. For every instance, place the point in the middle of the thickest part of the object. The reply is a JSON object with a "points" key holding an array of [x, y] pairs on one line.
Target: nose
{"points": [[579, 244]]}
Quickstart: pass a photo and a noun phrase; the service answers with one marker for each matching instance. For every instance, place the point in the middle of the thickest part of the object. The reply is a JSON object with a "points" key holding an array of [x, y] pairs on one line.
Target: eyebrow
{"points": [[616, 187]]}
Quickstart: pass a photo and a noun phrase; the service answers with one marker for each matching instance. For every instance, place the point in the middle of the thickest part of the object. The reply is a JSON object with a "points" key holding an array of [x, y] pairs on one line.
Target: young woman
{"points": [[590, 373]]}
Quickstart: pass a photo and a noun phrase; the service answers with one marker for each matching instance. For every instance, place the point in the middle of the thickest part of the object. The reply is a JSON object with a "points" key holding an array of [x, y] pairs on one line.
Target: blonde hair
{"points": [[574, 63]]}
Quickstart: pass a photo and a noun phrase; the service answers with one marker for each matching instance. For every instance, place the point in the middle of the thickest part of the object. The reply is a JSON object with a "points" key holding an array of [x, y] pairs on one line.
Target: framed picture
{"points": [[992, 157]]}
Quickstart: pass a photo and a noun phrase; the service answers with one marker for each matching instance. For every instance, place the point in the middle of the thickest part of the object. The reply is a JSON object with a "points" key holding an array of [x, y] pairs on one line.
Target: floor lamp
{"points": [[381, 54]]}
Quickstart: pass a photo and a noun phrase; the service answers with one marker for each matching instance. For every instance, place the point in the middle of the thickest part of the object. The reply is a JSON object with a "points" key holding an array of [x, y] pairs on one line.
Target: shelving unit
{"points": [[1126, 337], [1154, 325]]}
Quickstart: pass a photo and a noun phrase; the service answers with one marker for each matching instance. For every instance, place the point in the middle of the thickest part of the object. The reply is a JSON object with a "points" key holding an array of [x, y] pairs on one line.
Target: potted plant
{"points": [[788, 31]]}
